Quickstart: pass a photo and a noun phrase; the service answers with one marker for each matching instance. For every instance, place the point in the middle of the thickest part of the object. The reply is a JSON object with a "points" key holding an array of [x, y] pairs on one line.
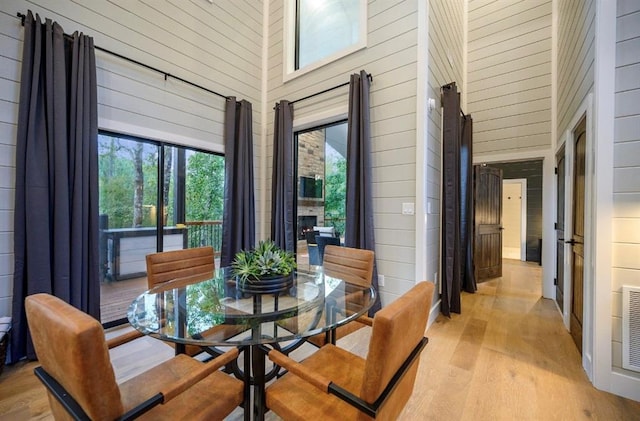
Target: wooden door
{"points": [[577, 240], [488, 217], [560, 180]]}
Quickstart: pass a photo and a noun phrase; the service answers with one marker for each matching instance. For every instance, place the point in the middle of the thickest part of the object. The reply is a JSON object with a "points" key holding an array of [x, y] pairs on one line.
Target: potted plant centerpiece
{"points": [[265, 269]]}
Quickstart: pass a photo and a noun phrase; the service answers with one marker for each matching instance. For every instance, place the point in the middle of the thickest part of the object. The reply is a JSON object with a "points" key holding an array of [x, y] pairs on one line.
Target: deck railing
{"points": [[205, 233]]}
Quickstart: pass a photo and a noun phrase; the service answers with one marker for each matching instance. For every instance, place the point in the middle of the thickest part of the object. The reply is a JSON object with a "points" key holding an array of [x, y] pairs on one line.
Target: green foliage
{"points": [[335, 190], [204, 181], [204, 187], [266, 259], [205, 296]]}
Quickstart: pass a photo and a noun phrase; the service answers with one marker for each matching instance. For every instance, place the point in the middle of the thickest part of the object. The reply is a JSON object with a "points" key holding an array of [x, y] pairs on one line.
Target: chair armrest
{"points": [[73, 407], [123, 339], [170, 391], [365, 320], [300, 370], [56, 389], [372, 409]]}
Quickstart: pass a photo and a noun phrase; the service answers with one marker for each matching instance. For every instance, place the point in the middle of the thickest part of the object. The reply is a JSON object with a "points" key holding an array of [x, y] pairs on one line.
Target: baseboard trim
{"points": [[625, 385], [433, 313]]}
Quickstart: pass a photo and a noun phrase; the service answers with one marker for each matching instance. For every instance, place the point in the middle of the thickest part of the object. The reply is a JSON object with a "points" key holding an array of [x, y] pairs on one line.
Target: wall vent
{"points": [[631, 328]]}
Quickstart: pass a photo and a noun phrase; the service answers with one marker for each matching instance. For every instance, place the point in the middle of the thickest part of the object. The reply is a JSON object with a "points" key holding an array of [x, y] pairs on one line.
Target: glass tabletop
{"points": [[215, 312]]}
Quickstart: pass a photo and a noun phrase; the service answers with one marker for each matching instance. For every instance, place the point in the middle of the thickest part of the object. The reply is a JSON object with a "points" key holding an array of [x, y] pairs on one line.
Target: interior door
{"points": [[560, 180], [577, 239], [488, 217]]}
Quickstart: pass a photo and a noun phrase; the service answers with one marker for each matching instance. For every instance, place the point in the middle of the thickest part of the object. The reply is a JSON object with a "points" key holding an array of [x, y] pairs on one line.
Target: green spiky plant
{"points": [[266, 260]]}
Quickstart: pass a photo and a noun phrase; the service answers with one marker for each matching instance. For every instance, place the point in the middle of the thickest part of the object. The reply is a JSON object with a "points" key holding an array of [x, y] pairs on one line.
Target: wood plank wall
{"points": [[576, 35], [218, 46], [390, 56], [626, 171], [509, 71]]}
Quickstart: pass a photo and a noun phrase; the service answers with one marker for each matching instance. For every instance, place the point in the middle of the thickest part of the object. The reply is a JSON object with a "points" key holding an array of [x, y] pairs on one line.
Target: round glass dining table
{"points": [[217, 313]]}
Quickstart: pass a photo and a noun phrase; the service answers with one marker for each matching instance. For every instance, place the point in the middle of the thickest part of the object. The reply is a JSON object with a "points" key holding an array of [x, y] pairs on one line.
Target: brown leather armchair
{"points": [[189, 266], [76, 369], [354, 266], [335, 384]]}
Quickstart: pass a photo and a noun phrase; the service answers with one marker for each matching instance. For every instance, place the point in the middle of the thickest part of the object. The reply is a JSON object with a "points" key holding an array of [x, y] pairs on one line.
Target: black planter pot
{"points": [[266, 285]]}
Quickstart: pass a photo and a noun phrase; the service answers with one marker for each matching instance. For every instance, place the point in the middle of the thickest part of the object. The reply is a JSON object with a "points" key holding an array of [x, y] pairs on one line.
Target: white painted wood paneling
{"points": [[218, 46], [509, 71], [626, 164], [390, 56], [576, 32]]}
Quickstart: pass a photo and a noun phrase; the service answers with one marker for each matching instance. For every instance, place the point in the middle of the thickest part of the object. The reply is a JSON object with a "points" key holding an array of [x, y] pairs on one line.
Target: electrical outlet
{"points": [[380, 280]]}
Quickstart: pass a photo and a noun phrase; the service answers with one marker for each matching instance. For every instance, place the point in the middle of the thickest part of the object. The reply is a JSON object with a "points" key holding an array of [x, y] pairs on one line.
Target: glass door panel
{"points": [[321, 183], [128, 183], [204, 198]]}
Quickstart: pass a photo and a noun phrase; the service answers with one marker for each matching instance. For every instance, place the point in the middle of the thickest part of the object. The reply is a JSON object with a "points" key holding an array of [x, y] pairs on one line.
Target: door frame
{"points": [[548, 207], [567, 140], [562, 152], [523, 214]]}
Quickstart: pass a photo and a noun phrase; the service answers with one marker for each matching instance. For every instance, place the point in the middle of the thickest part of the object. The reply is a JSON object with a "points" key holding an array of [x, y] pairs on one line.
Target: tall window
{"points": [[321, 31], [322, 182], [153, 197]]}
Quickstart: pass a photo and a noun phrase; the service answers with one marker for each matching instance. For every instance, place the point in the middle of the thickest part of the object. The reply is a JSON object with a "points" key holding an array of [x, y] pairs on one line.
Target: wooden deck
{"points": [[116, 296]]}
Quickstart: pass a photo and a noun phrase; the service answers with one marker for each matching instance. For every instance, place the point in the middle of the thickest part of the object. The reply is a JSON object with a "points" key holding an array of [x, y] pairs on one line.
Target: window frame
{"points": [[290, 36]]}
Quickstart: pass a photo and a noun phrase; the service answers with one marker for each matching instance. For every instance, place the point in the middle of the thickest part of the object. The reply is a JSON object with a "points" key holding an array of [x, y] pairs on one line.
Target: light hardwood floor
{"points": [[506, 357]]}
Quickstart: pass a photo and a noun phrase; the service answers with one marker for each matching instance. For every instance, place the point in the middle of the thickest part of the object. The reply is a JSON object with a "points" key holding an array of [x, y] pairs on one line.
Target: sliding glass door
{"points": [[321, 182], [153, 197]]}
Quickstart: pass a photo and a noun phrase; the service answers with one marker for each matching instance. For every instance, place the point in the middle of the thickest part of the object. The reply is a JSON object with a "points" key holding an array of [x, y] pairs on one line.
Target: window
{"points": [[321, 31], [147, 188], [322, 182]]}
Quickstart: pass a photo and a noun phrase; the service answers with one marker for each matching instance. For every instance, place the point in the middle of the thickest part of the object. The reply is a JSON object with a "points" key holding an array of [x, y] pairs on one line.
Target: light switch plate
{"points": [[408, 208]]}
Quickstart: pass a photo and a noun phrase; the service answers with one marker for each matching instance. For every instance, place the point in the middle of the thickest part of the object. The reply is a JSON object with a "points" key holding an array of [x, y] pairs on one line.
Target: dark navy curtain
{"points": [[239, 214], [359, 207], [283, 209], [56, 190], [457, 202]]}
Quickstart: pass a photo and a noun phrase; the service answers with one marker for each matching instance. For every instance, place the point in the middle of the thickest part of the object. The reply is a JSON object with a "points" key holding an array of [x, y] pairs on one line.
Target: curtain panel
{"points": [[56, 190], [239, 213], [457, 202], [359, 231], [467, 206], [283, 209]]}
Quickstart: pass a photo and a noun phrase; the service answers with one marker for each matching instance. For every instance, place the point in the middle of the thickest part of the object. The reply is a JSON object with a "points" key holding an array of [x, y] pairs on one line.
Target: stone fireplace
{"points": [[306, 223]]}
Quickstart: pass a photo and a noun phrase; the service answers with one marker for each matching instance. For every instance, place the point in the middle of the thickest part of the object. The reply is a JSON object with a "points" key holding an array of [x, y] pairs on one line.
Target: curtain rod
{"points": [[166, 74], [369, 75]]}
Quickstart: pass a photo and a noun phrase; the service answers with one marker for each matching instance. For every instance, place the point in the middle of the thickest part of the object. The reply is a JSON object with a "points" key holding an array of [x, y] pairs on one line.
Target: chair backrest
{"points": [[194, 264], [397, 330], [71, 347], [323, 242], [352, 265], [325, 231], [310, 236]]}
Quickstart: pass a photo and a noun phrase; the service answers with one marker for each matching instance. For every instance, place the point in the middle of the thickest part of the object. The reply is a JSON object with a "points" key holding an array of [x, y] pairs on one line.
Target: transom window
{"points": [[321, 31]]}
